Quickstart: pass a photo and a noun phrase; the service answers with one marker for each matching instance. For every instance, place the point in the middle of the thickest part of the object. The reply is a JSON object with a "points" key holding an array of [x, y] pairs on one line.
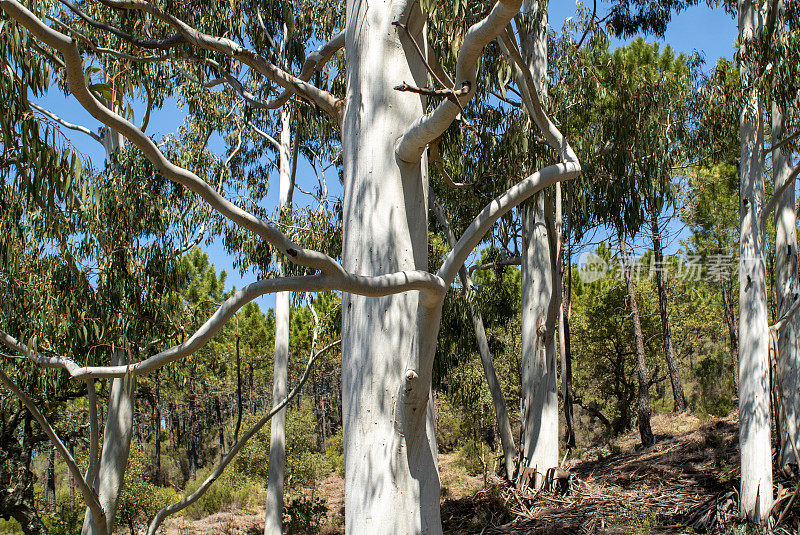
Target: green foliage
{"points": [[140, 500], [303, 515]]}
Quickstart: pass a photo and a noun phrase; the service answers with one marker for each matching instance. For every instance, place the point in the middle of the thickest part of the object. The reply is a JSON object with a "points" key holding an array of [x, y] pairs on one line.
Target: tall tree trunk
{"points": [[754, 415], [238, 387], [669, 352], [566, 356], [510, 452], [116, 447], [221, 424], [49, 490], [733, 328], [391, 474], [539, 297], [71, 477], [643, 407], [190, 428], [788, 291], [273, 524], [157, 428], [539, 377]]}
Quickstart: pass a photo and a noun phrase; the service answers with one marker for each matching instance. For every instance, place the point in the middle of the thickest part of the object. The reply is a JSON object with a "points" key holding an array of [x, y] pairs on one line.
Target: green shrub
{"points": [[303, 515], [140, 500]]}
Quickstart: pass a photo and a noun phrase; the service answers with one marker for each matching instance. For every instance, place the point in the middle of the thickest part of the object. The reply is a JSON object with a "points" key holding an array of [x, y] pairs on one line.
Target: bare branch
{"points": [[430, 126], [509, 261], [188, 500], [65, 124], [782, 143], [374, 286], [151, 44], [87, 492]]}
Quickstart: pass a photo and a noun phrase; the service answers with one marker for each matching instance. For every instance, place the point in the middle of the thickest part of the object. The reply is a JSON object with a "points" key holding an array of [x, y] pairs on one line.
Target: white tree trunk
{"points": [[391, 472], [273, 520], [787, 291], [754, 387], [539, 374], [116, 447], [539, 385]]}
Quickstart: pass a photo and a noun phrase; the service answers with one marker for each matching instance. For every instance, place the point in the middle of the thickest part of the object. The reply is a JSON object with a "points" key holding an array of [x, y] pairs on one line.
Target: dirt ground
{"points": [[685, 483]]}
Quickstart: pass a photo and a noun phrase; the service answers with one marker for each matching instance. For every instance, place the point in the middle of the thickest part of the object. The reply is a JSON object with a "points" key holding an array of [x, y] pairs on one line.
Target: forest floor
{"points": [[685, 483]]}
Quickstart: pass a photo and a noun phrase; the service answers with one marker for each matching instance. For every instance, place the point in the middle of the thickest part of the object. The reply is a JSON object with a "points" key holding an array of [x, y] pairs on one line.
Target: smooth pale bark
{"points": [[116, 447], [539, 374], [391, 473], [755, 497], [643, 399], [787, 291], [273, 523], [669, 351]]}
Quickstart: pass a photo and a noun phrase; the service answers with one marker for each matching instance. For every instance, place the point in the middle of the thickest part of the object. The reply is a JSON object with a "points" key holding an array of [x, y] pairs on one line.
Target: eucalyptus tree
{"points": [[782, 25], [392, 304]]}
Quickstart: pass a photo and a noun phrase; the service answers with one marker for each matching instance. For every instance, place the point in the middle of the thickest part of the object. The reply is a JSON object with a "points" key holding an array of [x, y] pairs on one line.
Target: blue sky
{"points": [[710, 32]]}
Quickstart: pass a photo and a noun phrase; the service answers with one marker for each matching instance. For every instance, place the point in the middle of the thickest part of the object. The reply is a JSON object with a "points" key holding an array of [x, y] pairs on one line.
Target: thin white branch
{"points": [[376, 286], [87, 492], [430, 126], [188, 500], [510, 261], [778, 325], [65, 124]]}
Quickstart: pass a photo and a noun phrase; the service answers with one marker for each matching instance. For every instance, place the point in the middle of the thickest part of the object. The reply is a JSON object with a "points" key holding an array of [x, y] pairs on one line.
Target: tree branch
{"points": [[65, 124], [773, 201], [88, 494], [328, 102], [74, 67], [497, 208], [430, 126], [433, 154], [188, 500], [375, 286], [151, 44]]}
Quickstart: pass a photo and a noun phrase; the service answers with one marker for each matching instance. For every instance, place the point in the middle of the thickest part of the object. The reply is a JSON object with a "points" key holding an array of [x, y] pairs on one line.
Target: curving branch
{"points": [[497, 208], [325, 100], [530, 96], [271, 234], [87, 492], [433, 154], [509, 261], [152, 44], [431, 125], [188, 500], [376, 286]]}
